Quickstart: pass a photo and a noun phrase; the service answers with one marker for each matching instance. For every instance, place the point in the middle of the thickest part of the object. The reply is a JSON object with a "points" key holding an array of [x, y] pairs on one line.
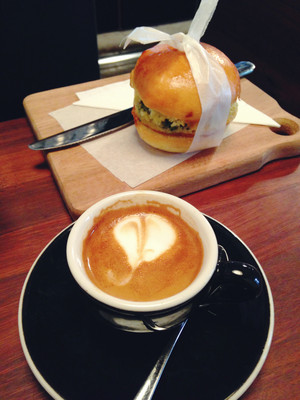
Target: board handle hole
{"points": [[287, 127]]}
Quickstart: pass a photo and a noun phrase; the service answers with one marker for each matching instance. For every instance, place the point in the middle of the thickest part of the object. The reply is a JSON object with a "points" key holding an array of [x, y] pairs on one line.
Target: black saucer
{"points": [[74, 354]]}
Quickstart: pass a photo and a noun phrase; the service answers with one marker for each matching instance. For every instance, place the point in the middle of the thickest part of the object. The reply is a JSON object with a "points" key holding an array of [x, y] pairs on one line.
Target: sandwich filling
{"points": [[157, 121]]}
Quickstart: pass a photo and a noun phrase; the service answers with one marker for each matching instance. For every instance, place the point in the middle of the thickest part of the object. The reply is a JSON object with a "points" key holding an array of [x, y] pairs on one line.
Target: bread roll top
{"points": [[164, 81]]}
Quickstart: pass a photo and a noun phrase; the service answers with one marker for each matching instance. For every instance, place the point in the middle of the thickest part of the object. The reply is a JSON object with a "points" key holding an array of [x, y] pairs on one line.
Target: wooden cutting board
{"points": [[83, 181]]}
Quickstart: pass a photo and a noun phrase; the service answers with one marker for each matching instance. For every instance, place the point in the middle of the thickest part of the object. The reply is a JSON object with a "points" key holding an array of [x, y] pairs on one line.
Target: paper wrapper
{"points": [[123, 153], [210, 78]]}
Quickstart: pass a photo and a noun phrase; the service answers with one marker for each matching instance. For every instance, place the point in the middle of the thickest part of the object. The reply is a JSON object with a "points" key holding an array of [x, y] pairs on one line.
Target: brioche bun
{"points": [[167, 108]]}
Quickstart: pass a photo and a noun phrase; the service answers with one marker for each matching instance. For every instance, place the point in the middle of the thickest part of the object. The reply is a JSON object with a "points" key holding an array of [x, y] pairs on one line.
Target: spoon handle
{"points": [[148, 388]]}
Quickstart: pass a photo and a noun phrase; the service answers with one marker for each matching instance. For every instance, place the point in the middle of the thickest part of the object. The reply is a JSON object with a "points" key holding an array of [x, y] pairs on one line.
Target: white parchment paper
{"points": [[123, 153]]}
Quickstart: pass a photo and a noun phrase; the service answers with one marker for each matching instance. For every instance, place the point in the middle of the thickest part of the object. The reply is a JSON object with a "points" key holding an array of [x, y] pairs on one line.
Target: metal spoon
{"points": [[252, 287], [148, 388]]}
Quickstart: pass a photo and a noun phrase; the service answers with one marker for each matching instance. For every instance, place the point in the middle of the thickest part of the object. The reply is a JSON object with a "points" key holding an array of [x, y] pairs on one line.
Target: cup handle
{"points": [[234, 281]]}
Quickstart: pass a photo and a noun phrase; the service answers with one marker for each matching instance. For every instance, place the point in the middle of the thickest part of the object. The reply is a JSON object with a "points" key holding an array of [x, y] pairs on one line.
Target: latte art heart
{"points": [[144, 237]]}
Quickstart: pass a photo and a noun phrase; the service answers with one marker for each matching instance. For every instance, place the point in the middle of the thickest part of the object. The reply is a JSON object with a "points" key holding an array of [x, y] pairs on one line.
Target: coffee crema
{"points": [[142, 252]]}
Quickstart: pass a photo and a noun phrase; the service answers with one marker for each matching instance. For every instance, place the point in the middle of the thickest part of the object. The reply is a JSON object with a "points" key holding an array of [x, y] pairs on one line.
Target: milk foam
{"points": [[144, 237]]}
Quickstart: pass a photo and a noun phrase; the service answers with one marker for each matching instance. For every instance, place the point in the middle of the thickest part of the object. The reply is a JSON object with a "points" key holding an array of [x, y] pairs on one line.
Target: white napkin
{"points": [[123, 153], [118, 96], [250, 115]]}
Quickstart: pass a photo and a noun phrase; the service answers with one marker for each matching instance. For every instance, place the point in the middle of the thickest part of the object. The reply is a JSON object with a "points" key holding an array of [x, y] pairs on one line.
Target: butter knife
{"points": [[105, 125], [82, 133]]}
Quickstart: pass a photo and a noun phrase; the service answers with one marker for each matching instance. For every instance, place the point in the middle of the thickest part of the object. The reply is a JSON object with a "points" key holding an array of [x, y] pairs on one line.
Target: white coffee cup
{"points": [[143, 316]]}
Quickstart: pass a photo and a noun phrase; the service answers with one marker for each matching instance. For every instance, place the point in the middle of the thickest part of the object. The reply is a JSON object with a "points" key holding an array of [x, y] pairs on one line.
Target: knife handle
{"points": [[245, 68]]}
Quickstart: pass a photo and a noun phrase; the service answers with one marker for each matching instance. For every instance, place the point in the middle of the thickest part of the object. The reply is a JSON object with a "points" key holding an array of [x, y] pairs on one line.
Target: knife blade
{"points": [[82, 133], [105, 125]]}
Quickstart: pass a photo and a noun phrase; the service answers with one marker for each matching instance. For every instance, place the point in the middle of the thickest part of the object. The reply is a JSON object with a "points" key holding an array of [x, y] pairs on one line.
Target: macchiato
{"points": [[142, 252], [144, 257]]}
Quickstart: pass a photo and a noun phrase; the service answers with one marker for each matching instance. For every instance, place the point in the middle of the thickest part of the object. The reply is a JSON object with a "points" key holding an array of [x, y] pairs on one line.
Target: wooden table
{"points": [[262, 208]]}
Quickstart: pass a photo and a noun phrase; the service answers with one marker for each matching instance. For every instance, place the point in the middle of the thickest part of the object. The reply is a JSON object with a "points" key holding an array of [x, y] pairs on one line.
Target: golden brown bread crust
{"points": [[163, 80]]}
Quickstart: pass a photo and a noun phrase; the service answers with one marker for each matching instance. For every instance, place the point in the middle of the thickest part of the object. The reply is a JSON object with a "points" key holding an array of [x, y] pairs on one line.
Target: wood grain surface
{"points": [[77, 172], [262, 208]]}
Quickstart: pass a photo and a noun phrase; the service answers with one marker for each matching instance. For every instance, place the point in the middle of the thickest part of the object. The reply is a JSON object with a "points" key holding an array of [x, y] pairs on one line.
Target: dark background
{"points": [[118, 15], [52, 43]]}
